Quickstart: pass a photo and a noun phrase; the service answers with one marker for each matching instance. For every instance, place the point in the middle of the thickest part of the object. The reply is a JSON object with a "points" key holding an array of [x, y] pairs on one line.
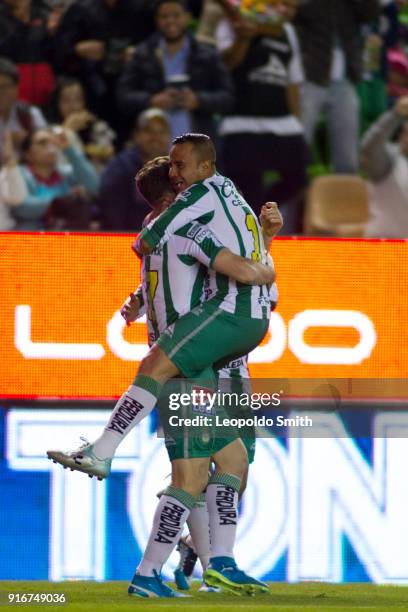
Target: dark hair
{"points": [[9, 69], [203, 146], [53, 113], [152, 180], [28, 140], [182, 3]]}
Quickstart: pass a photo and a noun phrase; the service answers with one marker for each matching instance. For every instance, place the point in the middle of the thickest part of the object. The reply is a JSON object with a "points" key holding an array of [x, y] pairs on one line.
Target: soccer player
{"points": [[152, 185], [175, 504]]}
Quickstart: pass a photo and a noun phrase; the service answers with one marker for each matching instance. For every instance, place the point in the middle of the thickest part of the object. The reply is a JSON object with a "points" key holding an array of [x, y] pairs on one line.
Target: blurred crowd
{"points": [[288, 89]]}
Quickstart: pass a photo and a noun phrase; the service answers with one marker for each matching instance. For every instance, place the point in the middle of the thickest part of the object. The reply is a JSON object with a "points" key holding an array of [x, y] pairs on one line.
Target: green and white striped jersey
{"points": [[173, 275], [216, 203]]}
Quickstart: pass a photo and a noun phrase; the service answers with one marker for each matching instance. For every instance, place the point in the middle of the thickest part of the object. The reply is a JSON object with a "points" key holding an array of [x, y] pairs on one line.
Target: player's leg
{"points": [[208, 335], [133, 406], [195, 545], [198, 339], [222, 502], [189, 451], [186, 347], [222, 497], [189, 476]]}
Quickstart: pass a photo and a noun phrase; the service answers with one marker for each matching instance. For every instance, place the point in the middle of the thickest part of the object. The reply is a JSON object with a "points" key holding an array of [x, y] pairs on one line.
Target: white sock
{"points": [[222, 503], [171, 514], [198, 525], [134, 405]]}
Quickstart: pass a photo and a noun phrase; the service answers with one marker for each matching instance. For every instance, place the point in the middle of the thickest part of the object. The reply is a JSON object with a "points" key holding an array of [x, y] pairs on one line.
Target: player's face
{"points": [[165, 201], [185, 169]]}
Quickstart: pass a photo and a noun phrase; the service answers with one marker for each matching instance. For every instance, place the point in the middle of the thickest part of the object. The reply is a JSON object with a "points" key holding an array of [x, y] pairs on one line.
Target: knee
{"points": [[190, 477], [233, 460], [157, 365], [242, 465]]}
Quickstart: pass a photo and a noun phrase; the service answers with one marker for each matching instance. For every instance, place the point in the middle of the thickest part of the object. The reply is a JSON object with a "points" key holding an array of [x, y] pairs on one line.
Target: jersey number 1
{"points": [[153, 282], [253, 228]]}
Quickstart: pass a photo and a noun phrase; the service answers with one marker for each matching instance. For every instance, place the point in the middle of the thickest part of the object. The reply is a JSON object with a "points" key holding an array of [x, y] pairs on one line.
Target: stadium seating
{"points": [[337, 205]]}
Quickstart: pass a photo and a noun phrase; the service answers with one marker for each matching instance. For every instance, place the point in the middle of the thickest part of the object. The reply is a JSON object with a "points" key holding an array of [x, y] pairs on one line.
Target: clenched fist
{"points": [[130, 309], [270, 219]]}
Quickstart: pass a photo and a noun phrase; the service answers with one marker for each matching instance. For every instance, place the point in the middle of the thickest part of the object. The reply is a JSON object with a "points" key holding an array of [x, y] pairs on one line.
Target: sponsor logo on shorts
{"points": [[200, 400], [169, 331]]}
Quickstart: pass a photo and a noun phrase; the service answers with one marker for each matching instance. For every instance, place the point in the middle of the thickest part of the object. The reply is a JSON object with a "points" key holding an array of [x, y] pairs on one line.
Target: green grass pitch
{"points": [[112, 596]]}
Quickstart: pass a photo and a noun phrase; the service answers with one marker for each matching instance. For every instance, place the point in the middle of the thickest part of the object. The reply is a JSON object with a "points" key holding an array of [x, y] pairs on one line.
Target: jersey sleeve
{"points": [[200, 242], [188, 206]]}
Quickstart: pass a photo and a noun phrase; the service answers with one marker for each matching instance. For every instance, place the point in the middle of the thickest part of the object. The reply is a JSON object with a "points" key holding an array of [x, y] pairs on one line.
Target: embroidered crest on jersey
{"points": [[228, 189]]}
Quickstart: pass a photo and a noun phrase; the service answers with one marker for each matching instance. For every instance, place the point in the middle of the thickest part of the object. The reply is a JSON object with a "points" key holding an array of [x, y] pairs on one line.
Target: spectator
{"points": [[16, 117], [174, 72], [371, 89], [386, 167], [95, 38], [26, 40], [12, 187], [123, 209], [57, 197], [92, 135], [398, 72], [381, 57], [331, 47], [263, 132]]}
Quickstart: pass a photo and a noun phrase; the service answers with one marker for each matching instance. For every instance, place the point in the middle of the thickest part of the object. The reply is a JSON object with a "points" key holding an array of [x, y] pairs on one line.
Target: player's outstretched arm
{"points": [[243, 270]]}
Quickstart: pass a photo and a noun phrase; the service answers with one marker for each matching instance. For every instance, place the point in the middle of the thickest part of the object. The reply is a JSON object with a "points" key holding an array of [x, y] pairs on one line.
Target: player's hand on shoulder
{"points": [[271, 218], [130, 309]]}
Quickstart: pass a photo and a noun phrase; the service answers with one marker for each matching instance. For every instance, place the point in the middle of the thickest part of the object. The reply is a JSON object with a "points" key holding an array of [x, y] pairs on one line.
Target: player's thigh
{"points": [[188, 427], [236, 392], [208, 335], [157, 365]]}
